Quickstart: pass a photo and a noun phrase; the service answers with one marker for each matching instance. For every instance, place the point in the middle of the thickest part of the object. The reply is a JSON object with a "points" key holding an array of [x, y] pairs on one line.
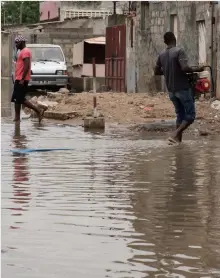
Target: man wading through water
{"points": [[173, 64], [22, 78]]}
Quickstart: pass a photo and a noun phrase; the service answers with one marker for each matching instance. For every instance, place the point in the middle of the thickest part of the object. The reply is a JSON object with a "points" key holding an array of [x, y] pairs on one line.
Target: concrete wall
{"points": [[64, 34], [85, 84], [117, 19], [131, 70], [98, 25], [6, 70], [153, 21], [66, 40], [89, 5], [218, 55], [56, 9]]}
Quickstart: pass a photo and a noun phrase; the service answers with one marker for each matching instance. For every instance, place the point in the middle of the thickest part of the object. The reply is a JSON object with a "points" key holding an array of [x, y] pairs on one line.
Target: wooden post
{"points": [[94, 87], [94, 74]]}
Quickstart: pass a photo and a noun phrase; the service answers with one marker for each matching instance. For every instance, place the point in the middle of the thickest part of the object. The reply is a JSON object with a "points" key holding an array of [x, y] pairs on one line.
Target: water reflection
{"points": [[170, 214], [121, 205], [21, 188]]}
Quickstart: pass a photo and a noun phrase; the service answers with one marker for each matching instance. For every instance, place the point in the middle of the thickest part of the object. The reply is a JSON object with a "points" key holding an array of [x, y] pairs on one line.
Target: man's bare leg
{"points": [[181, 135], [39, 112], [177, 135], [17, 112]]}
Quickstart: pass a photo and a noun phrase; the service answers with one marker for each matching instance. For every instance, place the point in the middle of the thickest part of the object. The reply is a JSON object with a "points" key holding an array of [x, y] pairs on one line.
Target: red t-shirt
{"points": [[19, 68]]}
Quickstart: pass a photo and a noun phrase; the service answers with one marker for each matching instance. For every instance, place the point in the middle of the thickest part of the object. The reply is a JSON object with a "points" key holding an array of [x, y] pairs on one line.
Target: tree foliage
{"points": [[14, 12]]}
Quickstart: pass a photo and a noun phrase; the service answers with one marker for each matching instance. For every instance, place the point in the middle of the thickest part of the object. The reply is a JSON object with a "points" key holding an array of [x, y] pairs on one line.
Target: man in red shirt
{"points": [[22, 78]]}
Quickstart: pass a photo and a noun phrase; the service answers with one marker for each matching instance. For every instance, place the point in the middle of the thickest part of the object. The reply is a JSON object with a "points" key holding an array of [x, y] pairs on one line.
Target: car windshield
{"points": [[46, 54]]}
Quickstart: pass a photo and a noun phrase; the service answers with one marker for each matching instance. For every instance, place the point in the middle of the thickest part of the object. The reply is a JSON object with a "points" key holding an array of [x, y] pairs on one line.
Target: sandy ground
{"points": [[130, 109]]}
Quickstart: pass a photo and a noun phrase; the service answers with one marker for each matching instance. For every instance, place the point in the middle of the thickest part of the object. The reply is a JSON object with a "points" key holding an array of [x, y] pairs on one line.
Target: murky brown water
{"points": [[117, 206]]}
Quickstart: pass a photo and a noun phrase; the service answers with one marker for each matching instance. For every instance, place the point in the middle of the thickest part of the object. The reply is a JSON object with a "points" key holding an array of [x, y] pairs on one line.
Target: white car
{"points": [[48, 67]]}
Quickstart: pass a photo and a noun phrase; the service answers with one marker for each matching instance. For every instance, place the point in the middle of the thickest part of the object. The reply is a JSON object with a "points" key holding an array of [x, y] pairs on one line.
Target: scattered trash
{"points": [[148, 108]]}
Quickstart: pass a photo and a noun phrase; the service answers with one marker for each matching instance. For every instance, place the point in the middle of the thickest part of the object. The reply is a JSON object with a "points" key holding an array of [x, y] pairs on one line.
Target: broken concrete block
{"points": [[33, 100], [41, 98], [203, 133], [56, 115], [61, 115], [94, 123], [42, 105], [54, 95], [216, 104], [64, 91]]}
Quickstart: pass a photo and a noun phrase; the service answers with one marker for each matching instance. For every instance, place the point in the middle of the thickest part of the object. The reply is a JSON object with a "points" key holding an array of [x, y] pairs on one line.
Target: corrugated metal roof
{"points": [[99, 40]]}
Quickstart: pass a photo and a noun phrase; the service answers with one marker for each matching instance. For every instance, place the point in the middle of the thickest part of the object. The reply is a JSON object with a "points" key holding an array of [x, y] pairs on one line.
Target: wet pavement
{"points": [[119, 205]]}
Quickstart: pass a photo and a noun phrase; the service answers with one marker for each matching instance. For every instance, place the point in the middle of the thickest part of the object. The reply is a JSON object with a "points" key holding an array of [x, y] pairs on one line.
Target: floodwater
{"points": [[118, 205]]}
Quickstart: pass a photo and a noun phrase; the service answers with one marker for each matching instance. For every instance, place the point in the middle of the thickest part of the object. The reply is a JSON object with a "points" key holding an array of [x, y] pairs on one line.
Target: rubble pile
{"points": [[126, 109]]}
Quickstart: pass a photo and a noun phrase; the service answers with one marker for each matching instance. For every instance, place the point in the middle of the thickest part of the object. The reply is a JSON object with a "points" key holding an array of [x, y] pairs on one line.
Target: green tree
{"points": [[15, 12]]}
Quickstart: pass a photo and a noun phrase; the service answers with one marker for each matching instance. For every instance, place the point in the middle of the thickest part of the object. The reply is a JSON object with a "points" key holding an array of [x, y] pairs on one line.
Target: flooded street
{"points": [[119, 205]]}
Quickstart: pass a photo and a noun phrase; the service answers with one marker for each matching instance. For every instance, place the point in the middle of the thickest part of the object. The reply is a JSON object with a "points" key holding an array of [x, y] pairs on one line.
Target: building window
{"points": [[144, 14], [174, 25], [201, 41]]}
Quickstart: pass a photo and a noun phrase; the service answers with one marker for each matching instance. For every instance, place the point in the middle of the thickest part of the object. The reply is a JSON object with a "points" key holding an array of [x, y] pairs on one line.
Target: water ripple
{"points": [[118, 205]]}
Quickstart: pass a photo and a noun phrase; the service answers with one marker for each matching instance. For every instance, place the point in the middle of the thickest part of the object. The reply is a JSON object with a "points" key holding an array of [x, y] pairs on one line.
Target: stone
{"points": [[94, 123], [61, 115], [216, 104], [64, 91], [203, 133], [89, 113], [54, 95], [33, 100], [42, 105], [41, 98], [49, 104]]}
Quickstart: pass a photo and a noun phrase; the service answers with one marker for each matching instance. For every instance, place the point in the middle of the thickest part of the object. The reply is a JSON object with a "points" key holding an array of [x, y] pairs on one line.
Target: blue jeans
{"points": [[184, 104]]}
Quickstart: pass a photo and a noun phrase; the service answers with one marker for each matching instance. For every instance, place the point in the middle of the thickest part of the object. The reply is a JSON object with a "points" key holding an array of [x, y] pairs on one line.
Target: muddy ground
{"points": [[128, 109]]}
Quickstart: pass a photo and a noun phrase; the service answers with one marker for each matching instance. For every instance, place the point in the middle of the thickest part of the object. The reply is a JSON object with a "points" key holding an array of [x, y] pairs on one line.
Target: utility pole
{"points": [[114, 7]]}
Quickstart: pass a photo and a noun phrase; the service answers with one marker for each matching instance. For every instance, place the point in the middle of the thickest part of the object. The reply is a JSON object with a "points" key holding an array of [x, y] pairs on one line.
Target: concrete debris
{"points": [[64, 91], [94, 123], [54, 95], [216, 104], [203, 133], [34, 100], [128, 109], [61, 115]]}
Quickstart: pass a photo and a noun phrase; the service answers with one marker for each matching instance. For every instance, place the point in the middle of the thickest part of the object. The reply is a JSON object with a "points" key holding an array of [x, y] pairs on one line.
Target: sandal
{"points": [[173, 141]]}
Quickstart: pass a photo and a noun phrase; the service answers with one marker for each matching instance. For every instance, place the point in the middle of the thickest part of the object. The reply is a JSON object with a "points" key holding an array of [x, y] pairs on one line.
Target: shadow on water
{"points": [[118, 205]]}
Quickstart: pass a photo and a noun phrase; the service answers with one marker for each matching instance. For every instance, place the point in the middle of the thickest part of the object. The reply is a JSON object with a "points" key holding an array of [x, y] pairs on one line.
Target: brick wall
{"points": [[153, 21]]}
